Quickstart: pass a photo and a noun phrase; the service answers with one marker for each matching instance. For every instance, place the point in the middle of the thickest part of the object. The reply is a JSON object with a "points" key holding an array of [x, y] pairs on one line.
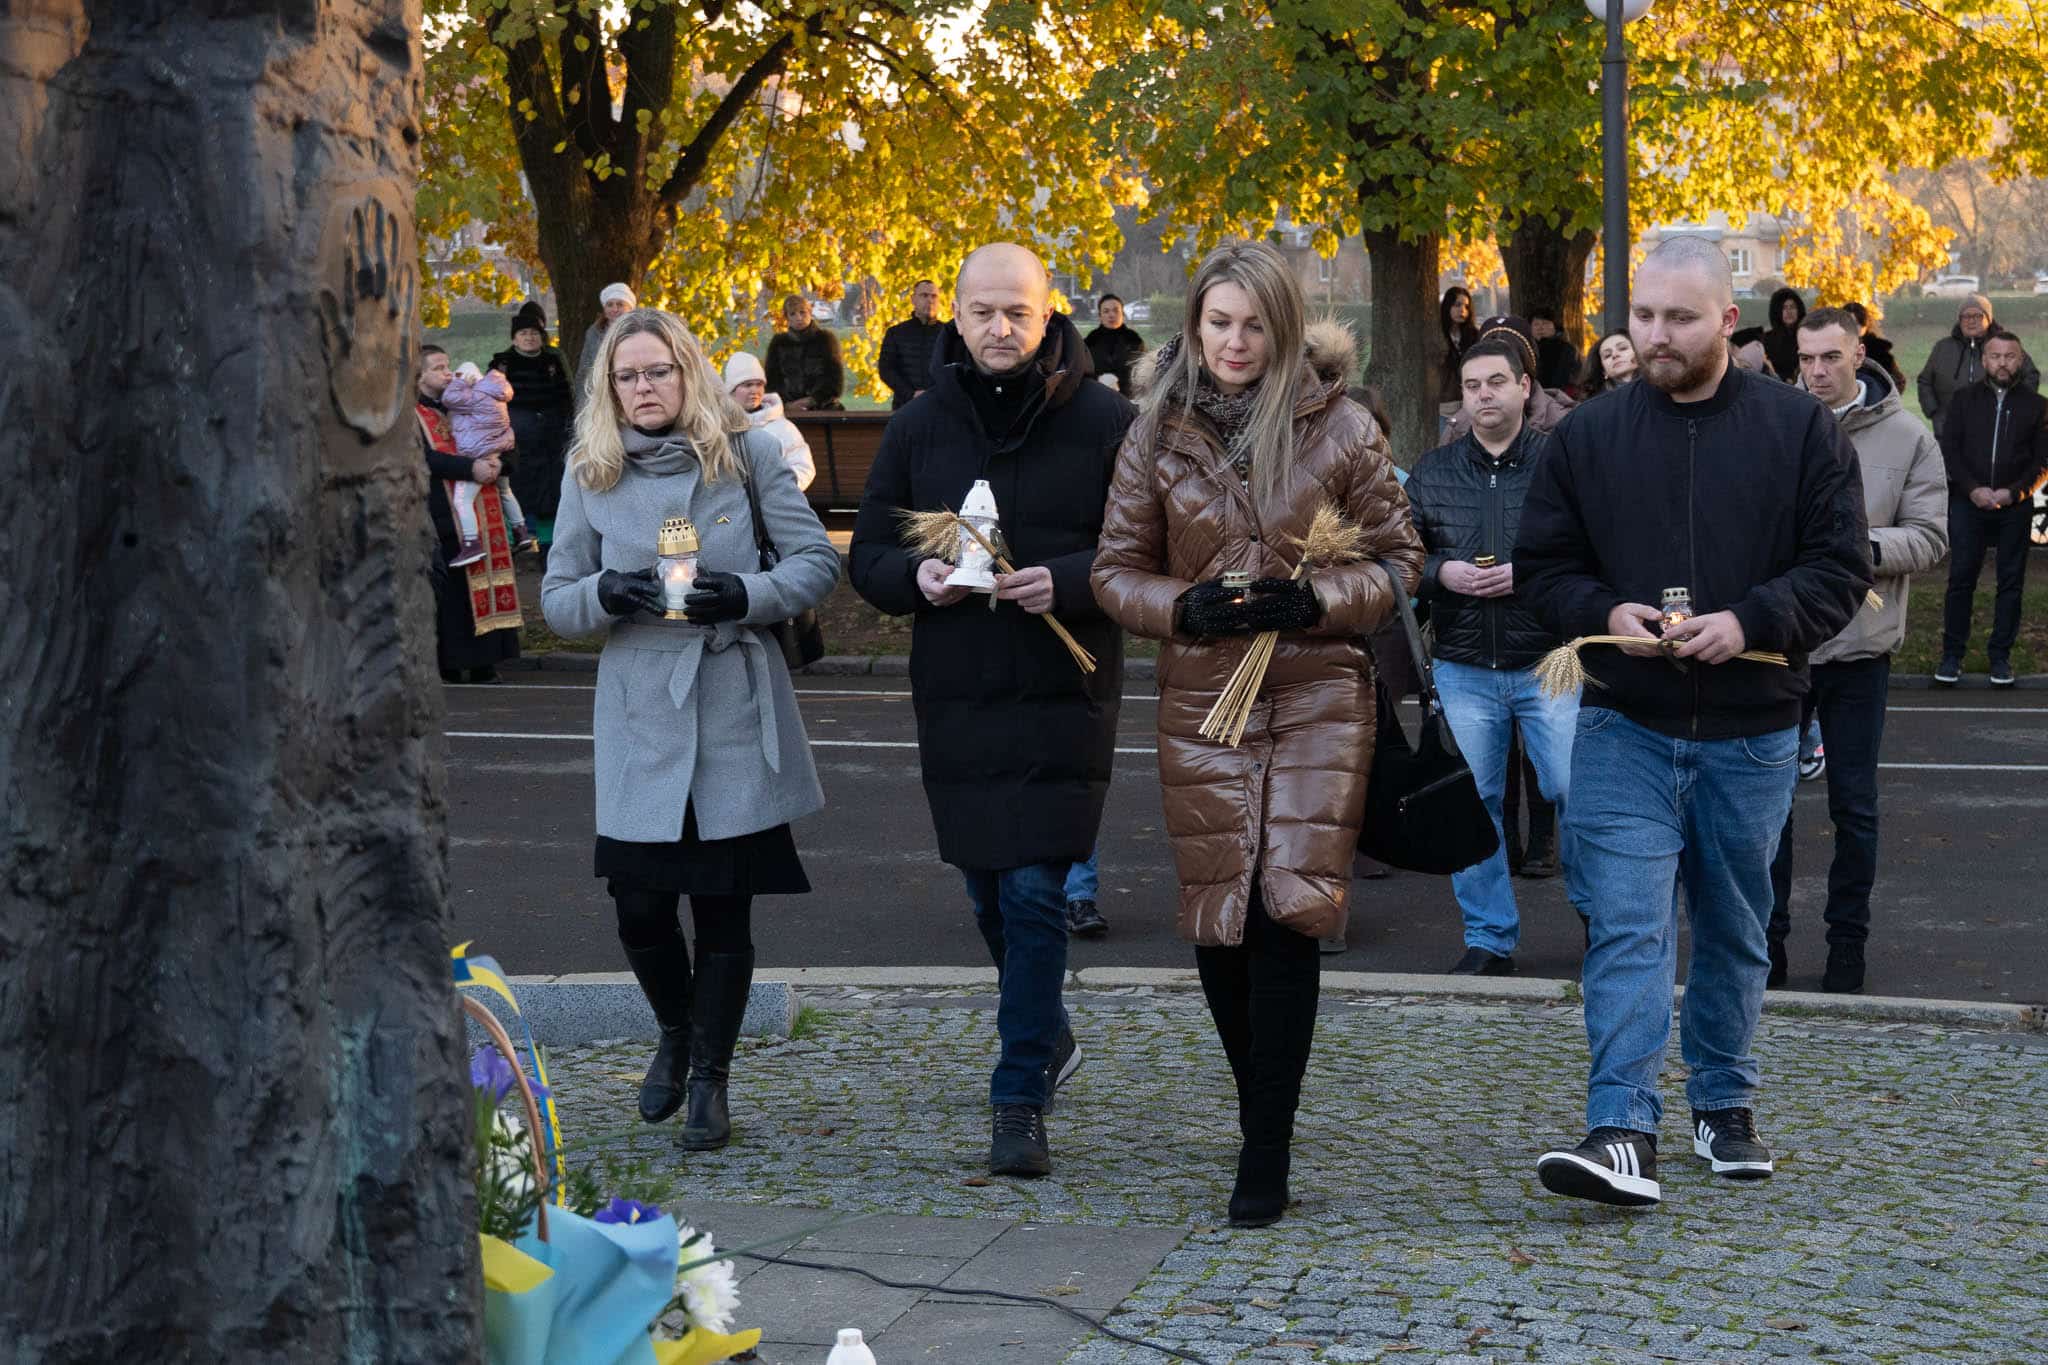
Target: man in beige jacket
{"points": [[1905, 499]]}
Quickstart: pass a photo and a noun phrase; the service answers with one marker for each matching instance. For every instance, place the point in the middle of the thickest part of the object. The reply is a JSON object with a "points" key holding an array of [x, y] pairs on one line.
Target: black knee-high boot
{"points": [[661, 962], [1285, 972], [715, 1014], [1227, 986]]}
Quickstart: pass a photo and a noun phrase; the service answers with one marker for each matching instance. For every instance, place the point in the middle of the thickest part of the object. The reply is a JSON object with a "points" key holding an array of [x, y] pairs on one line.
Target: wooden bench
{"points": [[843, 445]]}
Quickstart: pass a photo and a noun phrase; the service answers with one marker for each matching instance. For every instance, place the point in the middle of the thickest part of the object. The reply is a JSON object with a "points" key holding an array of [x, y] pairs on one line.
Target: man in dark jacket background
{"points": [[803, 361], [1742, 494], [1014, 739], [1466, 501], [1557, 360], [1957, 360], [905, 364], [1993, 445], [1114, 346]]}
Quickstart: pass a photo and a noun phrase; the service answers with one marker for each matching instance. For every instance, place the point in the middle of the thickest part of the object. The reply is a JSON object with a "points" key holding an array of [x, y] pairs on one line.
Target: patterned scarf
{"points": [[1232, 413]]}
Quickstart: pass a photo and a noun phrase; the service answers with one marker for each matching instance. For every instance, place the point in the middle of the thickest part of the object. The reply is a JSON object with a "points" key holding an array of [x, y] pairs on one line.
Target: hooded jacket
{"points": [[1957, 361], [796, 451], [1750, 498], [1781, 343], [476, 408], [1905, 504], [1467, 502], [1286, 804], [1991, 437], [1015, 741]]}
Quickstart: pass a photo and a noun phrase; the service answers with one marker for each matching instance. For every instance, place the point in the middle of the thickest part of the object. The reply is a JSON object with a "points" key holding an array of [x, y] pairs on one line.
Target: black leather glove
{"points": [[623, 594], [1283, 604], [715, 597], [1210, 608]]}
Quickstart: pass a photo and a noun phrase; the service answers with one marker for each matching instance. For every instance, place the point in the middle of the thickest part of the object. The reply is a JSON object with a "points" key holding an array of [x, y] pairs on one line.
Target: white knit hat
{"points": [[618, 291], [741, 368]]}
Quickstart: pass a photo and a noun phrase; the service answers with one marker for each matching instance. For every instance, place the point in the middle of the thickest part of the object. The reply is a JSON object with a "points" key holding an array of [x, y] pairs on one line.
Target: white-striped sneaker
{"points": [[1727, 1137], [1612, 1166]]}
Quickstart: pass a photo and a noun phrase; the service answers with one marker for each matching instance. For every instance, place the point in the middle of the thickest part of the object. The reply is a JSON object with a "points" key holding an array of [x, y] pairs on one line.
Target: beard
{"points": [[1680, 373]]}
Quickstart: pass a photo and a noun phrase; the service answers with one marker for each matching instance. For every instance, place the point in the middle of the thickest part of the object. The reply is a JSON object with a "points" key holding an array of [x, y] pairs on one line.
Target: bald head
{"points": [[1002, 305], [1694, 254], [1680, 316]]}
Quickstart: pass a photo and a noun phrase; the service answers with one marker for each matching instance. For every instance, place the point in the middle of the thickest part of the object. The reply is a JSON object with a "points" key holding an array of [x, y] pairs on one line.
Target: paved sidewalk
{"points": [[1905, 1222]]}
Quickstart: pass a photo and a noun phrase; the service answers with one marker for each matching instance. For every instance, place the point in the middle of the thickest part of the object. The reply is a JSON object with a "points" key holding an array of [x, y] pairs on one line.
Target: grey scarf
{"points": [[670, 453]]}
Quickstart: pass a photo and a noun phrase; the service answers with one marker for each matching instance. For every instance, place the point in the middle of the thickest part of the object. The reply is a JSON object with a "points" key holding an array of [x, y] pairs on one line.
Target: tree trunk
{"points": [[1407, 346], [236, 1115], [581, 261], [1547, 269]]}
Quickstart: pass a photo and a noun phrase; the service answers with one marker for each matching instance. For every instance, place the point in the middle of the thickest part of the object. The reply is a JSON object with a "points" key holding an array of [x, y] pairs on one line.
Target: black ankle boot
{"points": [[1260, 1195], [715, 1014], [664, 975]]}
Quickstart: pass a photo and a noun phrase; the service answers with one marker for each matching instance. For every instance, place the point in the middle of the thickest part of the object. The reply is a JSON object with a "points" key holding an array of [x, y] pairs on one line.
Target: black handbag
{"points": [[801, 637], [1422, 806]]}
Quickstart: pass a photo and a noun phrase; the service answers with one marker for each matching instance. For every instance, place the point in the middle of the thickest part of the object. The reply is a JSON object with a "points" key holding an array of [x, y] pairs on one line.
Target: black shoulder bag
{"points": [[1422, 806], [801, 638]]}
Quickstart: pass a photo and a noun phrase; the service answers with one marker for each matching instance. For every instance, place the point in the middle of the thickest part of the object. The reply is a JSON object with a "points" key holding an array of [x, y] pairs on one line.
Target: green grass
{"points": [[807, 1023], [1922, 649]]}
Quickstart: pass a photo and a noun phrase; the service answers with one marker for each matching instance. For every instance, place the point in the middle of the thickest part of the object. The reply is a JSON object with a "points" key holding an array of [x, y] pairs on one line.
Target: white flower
{"points": [[710, 1293], [513, 1165]]}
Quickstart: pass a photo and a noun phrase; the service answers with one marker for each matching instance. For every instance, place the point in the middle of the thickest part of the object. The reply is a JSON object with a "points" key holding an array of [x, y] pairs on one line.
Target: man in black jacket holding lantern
{"points": [[1699, 515], [1015, 740]]}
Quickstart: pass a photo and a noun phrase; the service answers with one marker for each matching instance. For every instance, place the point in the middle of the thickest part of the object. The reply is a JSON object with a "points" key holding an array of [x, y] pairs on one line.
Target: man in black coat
{"points": [[1114, 347], [1994, 447], [1016, 742], [1466, 501], [803, 361], [1557, 360], [1735, 502], [906, 360]]}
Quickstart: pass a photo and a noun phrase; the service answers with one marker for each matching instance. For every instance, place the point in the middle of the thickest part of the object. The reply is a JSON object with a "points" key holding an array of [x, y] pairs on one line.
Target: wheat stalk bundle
{"points": [[1561, 671], [1329, 540], [937, 536]]}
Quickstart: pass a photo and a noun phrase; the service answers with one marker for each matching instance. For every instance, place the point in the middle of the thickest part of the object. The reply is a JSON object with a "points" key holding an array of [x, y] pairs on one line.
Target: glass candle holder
{"points": [[1238, 583], [677, 547], [975, 569], [1677, 606]]}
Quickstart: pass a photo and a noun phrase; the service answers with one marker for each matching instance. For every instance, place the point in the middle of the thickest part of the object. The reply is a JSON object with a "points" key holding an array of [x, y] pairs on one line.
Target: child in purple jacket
{"points": [[483, 426]]}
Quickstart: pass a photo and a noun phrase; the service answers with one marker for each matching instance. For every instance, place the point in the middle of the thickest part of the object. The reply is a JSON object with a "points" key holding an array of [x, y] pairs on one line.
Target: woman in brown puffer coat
{"points": [[1244, 433]]}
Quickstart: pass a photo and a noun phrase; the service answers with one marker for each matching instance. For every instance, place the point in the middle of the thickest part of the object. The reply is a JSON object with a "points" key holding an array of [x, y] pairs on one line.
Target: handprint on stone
{"points": [[367, 317]]}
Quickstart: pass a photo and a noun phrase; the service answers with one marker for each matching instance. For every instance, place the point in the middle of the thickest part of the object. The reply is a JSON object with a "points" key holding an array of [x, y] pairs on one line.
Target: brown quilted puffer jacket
{"points": [[1286, 804]]}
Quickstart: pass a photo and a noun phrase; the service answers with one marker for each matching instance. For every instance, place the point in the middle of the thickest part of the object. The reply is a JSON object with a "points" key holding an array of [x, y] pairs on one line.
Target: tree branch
{"points": [[586, 96], [696, 156], [650, 57]]}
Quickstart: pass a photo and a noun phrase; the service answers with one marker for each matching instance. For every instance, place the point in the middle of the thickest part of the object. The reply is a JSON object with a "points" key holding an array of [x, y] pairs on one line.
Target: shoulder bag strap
{"points": [[764, 546], [1425, 676]]}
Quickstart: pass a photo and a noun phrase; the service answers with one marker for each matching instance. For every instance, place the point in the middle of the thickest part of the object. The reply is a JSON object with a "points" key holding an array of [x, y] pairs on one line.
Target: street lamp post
{"points": [[1614, 233]]}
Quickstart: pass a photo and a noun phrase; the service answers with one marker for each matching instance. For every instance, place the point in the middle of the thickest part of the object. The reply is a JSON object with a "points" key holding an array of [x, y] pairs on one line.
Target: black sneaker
{"points": [[1612, 1166], [1018, 1146], [1085, 921], [1479, 962], [1949, 671], [1066, 1060], [1844, 973], [2001, 673], [1727, 1137], [1781, 967]]}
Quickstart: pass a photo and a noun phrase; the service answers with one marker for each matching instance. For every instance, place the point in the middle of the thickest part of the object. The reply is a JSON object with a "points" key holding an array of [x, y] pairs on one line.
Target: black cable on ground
{"points": [[1032, 1299]]}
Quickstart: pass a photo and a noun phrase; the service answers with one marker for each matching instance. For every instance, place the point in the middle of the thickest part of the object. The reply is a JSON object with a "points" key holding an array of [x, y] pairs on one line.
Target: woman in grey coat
{"points": [[702, 760]]}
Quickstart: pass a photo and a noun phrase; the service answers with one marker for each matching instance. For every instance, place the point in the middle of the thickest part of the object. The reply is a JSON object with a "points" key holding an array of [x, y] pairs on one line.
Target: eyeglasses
{"points": [[1971, 315], [653, 374]]}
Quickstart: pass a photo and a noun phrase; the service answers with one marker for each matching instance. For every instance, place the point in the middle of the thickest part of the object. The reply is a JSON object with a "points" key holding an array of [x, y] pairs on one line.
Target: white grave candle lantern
{"points": [[677, 546], [974, 569]]}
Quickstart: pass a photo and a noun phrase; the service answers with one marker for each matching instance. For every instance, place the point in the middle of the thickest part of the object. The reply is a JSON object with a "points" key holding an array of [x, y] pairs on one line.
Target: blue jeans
{"points": [[1483, 705], [1653, 814], [1022, 915], [1082, 881]]}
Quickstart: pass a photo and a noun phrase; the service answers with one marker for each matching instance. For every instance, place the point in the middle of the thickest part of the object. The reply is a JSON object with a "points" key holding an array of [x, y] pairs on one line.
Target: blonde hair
{"points": [[1268, 438], [708, 416]]}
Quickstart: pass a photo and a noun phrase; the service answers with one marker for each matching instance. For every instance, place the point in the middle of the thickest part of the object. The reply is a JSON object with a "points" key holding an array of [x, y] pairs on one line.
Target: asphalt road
{"points": [[1961, 910]]}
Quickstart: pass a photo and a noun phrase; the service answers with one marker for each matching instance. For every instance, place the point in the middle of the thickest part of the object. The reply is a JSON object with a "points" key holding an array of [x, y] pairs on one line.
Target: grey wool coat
{"points": [[687, 713]]}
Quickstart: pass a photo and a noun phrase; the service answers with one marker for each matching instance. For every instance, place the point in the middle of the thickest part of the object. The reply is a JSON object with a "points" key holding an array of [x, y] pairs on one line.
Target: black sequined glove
{"points": [[1210, 609], [1283, 604], [715, 597], [623, 594]]}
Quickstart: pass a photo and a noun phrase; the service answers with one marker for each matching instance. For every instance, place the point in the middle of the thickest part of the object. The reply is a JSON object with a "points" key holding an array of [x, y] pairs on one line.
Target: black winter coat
{"points": [[905, 364], [1467, 503], [1752, 498], [1992, 438], [543, 408], [1557, 363], [1016, 742], [806, 365], [1114, 350]]}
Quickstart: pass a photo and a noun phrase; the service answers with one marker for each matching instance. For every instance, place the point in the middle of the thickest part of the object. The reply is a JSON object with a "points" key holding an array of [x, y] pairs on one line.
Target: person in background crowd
{"points": [[1544, 409], [1995, 449], [1781, 334], [1557, 360], [803, 361], [701, 757], [1877, 349], [1750, 355], [1016, 759], [1608, 366], [543, 406], [1245, 434], [476, 607], [1466, 501], [1113, 346], [1454, 320], [1905, 505], [1744, 494], [616, 300], [1957, 361], [748, 384], [477, 408], [905, 365]]}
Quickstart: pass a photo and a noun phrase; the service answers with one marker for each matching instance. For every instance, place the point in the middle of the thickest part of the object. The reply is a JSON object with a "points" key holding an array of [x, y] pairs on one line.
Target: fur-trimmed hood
{"points": [[1328, 345]]}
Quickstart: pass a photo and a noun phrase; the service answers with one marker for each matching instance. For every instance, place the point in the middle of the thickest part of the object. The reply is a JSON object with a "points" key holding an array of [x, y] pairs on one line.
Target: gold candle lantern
{"points": [[677, 546]]}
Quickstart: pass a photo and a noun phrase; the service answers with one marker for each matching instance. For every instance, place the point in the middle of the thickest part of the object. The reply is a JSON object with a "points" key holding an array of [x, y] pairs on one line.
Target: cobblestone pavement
{"points": [[1906, 1222]]}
